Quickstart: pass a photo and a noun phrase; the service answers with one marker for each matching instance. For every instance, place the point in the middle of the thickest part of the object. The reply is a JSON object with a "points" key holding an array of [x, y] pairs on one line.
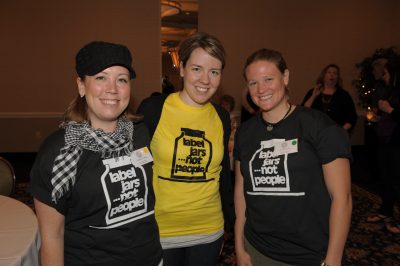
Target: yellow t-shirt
{"points": [[187, 147]]}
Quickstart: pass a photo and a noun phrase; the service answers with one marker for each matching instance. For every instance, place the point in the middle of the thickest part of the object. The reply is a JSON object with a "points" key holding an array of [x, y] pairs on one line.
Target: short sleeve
{"points": [[331, 142], [40, 186]]}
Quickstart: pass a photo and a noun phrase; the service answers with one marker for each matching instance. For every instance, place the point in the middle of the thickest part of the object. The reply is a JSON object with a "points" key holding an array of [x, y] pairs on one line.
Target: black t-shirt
{"points": [[109, 212], [287, 202]]}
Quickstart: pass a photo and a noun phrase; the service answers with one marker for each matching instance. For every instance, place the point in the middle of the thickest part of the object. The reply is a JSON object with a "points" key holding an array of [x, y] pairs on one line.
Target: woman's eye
{"points": [[123, 80], [251, 84], [215, 72], [196, 69], [100, 78]]}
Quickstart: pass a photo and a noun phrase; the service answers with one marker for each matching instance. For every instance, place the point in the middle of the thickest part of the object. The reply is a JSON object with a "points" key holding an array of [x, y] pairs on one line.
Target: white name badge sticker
{"points": [[286, 147], [141, 156]]}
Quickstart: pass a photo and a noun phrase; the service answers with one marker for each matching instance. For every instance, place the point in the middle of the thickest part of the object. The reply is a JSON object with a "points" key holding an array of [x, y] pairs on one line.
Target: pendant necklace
{"points": [[270, 126]]}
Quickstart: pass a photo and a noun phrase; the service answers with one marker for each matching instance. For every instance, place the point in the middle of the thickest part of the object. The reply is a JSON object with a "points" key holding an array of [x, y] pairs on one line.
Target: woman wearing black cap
{"points": [[91, 180]]}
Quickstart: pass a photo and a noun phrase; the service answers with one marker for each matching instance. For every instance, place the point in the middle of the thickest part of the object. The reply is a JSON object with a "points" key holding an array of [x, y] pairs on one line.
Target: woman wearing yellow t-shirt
{"points": [[191, 164]]}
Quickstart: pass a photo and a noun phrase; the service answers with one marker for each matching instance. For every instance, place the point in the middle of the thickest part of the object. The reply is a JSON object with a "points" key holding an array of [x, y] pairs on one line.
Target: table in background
{"points": [[19, 234]]}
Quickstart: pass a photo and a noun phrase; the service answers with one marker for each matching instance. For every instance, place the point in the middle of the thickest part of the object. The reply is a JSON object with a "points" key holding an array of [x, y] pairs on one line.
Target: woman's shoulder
{"points": [[51, 145], [55, 139], [342, 92], [151, 102], [251, 124], [312, 116], [141, 134], [140, 126], [223, 114]]}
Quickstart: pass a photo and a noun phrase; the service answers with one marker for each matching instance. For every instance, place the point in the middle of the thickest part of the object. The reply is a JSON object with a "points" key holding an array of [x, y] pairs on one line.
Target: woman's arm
{"points": [[308, 102], [242, 257], [338, 182], [51, 226]]}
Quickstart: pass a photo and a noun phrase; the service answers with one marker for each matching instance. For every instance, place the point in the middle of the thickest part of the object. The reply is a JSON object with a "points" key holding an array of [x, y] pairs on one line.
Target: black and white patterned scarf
{"points": [[79, 136]]}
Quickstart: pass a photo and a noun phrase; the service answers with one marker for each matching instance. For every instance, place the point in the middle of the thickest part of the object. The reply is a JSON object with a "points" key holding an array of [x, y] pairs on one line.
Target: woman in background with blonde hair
{"points": [[329, 97]]}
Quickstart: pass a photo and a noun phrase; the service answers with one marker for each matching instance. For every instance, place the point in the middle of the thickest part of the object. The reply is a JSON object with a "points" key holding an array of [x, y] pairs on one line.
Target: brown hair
{"points": [[77, 111], [320, 78], [203, 40], [267, 55], [229, 99]]}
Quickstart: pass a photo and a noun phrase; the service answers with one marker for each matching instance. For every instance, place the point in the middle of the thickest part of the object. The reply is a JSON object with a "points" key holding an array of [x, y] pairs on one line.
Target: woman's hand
{"points": [[316, 91], [385, 106], [243, 259]]}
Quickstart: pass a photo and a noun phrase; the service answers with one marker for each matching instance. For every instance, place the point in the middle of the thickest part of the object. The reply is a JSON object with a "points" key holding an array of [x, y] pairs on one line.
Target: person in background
{"points": [[228, 103], [292, 190], [191, 164], [329, 97], [167, 87], [248, 108], [92, 178], [387, 130]]}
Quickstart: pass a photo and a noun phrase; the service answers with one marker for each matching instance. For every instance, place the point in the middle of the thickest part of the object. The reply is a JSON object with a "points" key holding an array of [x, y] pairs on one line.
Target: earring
{"points": [[82, 95]]}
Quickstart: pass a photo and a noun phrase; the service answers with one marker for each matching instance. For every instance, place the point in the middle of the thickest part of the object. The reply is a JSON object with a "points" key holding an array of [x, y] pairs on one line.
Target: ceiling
{"points": [[177, 27]]}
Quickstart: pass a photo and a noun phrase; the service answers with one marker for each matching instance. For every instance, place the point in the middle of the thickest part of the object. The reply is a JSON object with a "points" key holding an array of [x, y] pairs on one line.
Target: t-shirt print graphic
{"points": [[192, 157], [125, 189], [269, 170]]}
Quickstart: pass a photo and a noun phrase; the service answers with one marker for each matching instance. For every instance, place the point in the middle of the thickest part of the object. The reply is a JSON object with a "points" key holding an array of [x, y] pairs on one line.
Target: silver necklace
{"points": [[270, 126]]}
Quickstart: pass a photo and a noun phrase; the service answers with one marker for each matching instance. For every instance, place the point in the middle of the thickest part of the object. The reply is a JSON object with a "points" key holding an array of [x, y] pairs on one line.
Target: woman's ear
{"points": [[286, 77], [81, 86], [181, 68]]}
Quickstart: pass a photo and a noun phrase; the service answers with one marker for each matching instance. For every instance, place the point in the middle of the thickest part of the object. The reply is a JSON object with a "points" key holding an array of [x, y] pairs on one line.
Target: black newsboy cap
{"points": [[97, 56]]}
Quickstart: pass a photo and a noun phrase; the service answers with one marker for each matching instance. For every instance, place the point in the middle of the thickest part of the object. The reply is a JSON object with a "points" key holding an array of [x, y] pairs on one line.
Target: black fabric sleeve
{"points": [[329, 139], [307, 96], [151, 109], [226, 186], [40, 186], [395, 114], [351, 116]]}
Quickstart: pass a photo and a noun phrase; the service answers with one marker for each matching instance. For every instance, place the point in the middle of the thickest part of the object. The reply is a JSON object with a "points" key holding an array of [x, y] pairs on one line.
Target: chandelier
{"points": [[173, 52], [169, 8]]}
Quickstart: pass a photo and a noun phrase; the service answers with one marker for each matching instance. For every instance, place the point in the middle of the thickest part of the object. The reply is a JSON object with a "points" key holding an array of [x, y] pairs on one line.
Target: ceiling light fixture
{"points": [[173, 52], [169, 8]]}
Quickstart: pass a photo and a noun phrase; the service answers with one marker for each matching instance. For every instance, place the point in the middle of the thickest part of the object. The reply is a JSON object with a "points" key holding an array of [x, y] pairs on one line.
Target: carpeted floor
{"points": [[368, 244]]}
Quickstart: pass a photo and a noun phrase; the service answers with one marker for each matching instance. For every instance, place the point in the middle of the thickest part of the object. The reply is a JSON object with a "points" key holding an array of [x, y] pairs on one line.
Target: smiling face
{"points": [[107, 95], [201, 78], [267, 86]]}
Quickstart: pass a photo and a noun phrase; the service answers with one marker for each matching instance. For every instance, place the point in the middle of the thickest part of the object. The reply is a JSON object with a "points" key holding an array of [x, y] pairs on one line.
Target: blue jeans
{"points": [[199, 255]]}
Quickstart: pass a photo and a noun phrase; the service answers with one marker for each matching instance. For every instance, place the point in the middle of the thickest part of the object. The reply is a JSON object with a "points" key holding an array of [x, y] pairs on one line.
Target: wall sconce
{"points": [[371, 116], [170, 8], [173, 52]]}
